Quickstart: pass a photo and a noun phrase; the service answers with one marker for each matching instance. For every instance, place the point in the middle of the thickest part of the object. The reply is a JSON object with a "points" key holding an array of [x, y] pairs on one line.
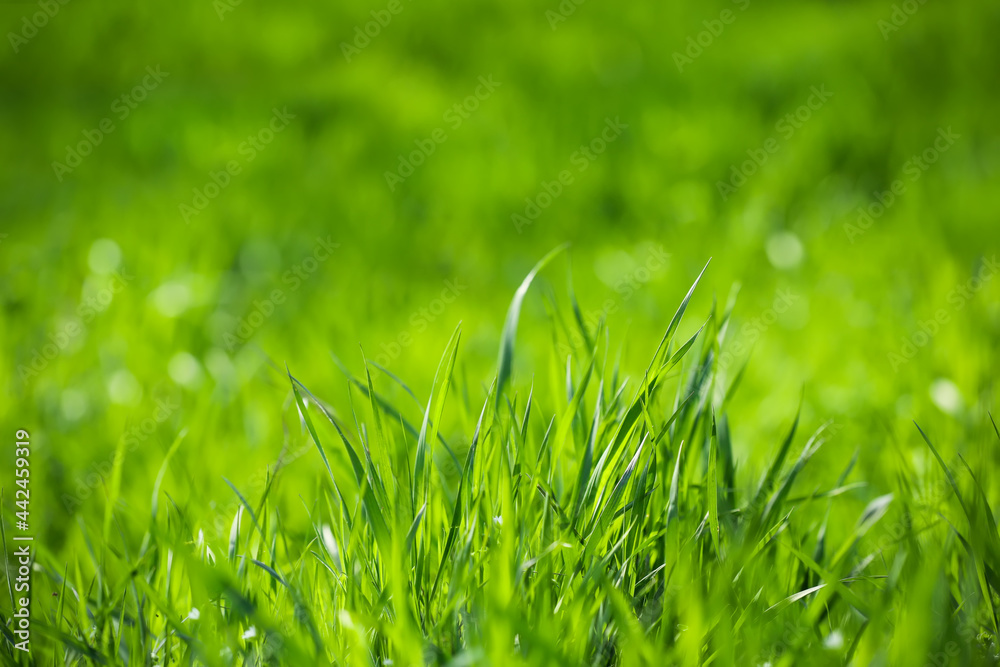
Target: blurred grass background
{"points": [[162, 337]]}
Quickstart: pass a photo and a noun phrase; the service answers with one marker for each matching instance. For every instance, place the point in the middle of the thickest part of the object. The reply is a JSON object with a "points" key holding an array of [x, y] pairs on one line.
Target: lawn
{"points": [[518, 333]]}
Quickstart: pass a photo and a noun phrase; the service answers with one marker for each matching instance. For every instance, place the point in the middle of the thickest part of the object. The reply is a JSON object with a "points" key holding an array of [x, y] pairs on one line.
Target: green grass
{"points": [[573, 513], [168, 409]]}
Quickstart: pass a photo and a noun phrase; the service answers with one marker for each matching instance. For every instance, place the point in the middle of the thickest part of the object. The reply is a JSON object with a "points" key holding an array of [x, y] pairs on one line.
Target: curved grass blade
{"points": [[602, 521], [163, 471], [375, 517], [435, 405], [505, 361], [713, 489]]}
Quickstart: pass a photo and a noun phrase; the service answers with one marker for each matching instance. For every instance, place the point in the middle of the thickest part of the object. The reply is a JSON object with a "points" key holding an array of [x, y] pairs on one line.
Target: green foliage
{"points": [[208, 209], [580, 529]]}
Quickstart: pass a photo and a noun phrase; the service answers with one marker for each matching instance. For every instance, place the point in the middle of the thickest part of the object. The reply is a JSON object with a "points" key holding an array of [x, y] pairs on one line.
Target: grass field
{"points": [[573, 333]]}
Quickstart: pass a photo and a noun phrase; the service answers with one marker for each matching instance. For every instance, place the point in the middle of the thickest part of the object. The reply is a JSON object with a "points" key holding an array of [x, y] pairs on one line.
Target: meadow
{"points": [[403, 333]]}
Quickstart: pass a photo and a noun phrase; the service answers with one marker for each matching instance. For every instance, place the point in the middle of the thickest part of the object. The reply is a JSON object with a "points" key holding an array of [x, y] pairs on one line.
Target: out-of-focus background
{"points": [[195, 197]]}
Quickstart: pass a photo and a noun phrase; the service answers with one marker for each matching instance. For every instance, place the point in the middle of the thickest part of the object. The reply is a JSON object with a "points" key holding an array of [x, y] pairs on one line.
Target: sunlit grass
{"points": [[607, 521]]}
